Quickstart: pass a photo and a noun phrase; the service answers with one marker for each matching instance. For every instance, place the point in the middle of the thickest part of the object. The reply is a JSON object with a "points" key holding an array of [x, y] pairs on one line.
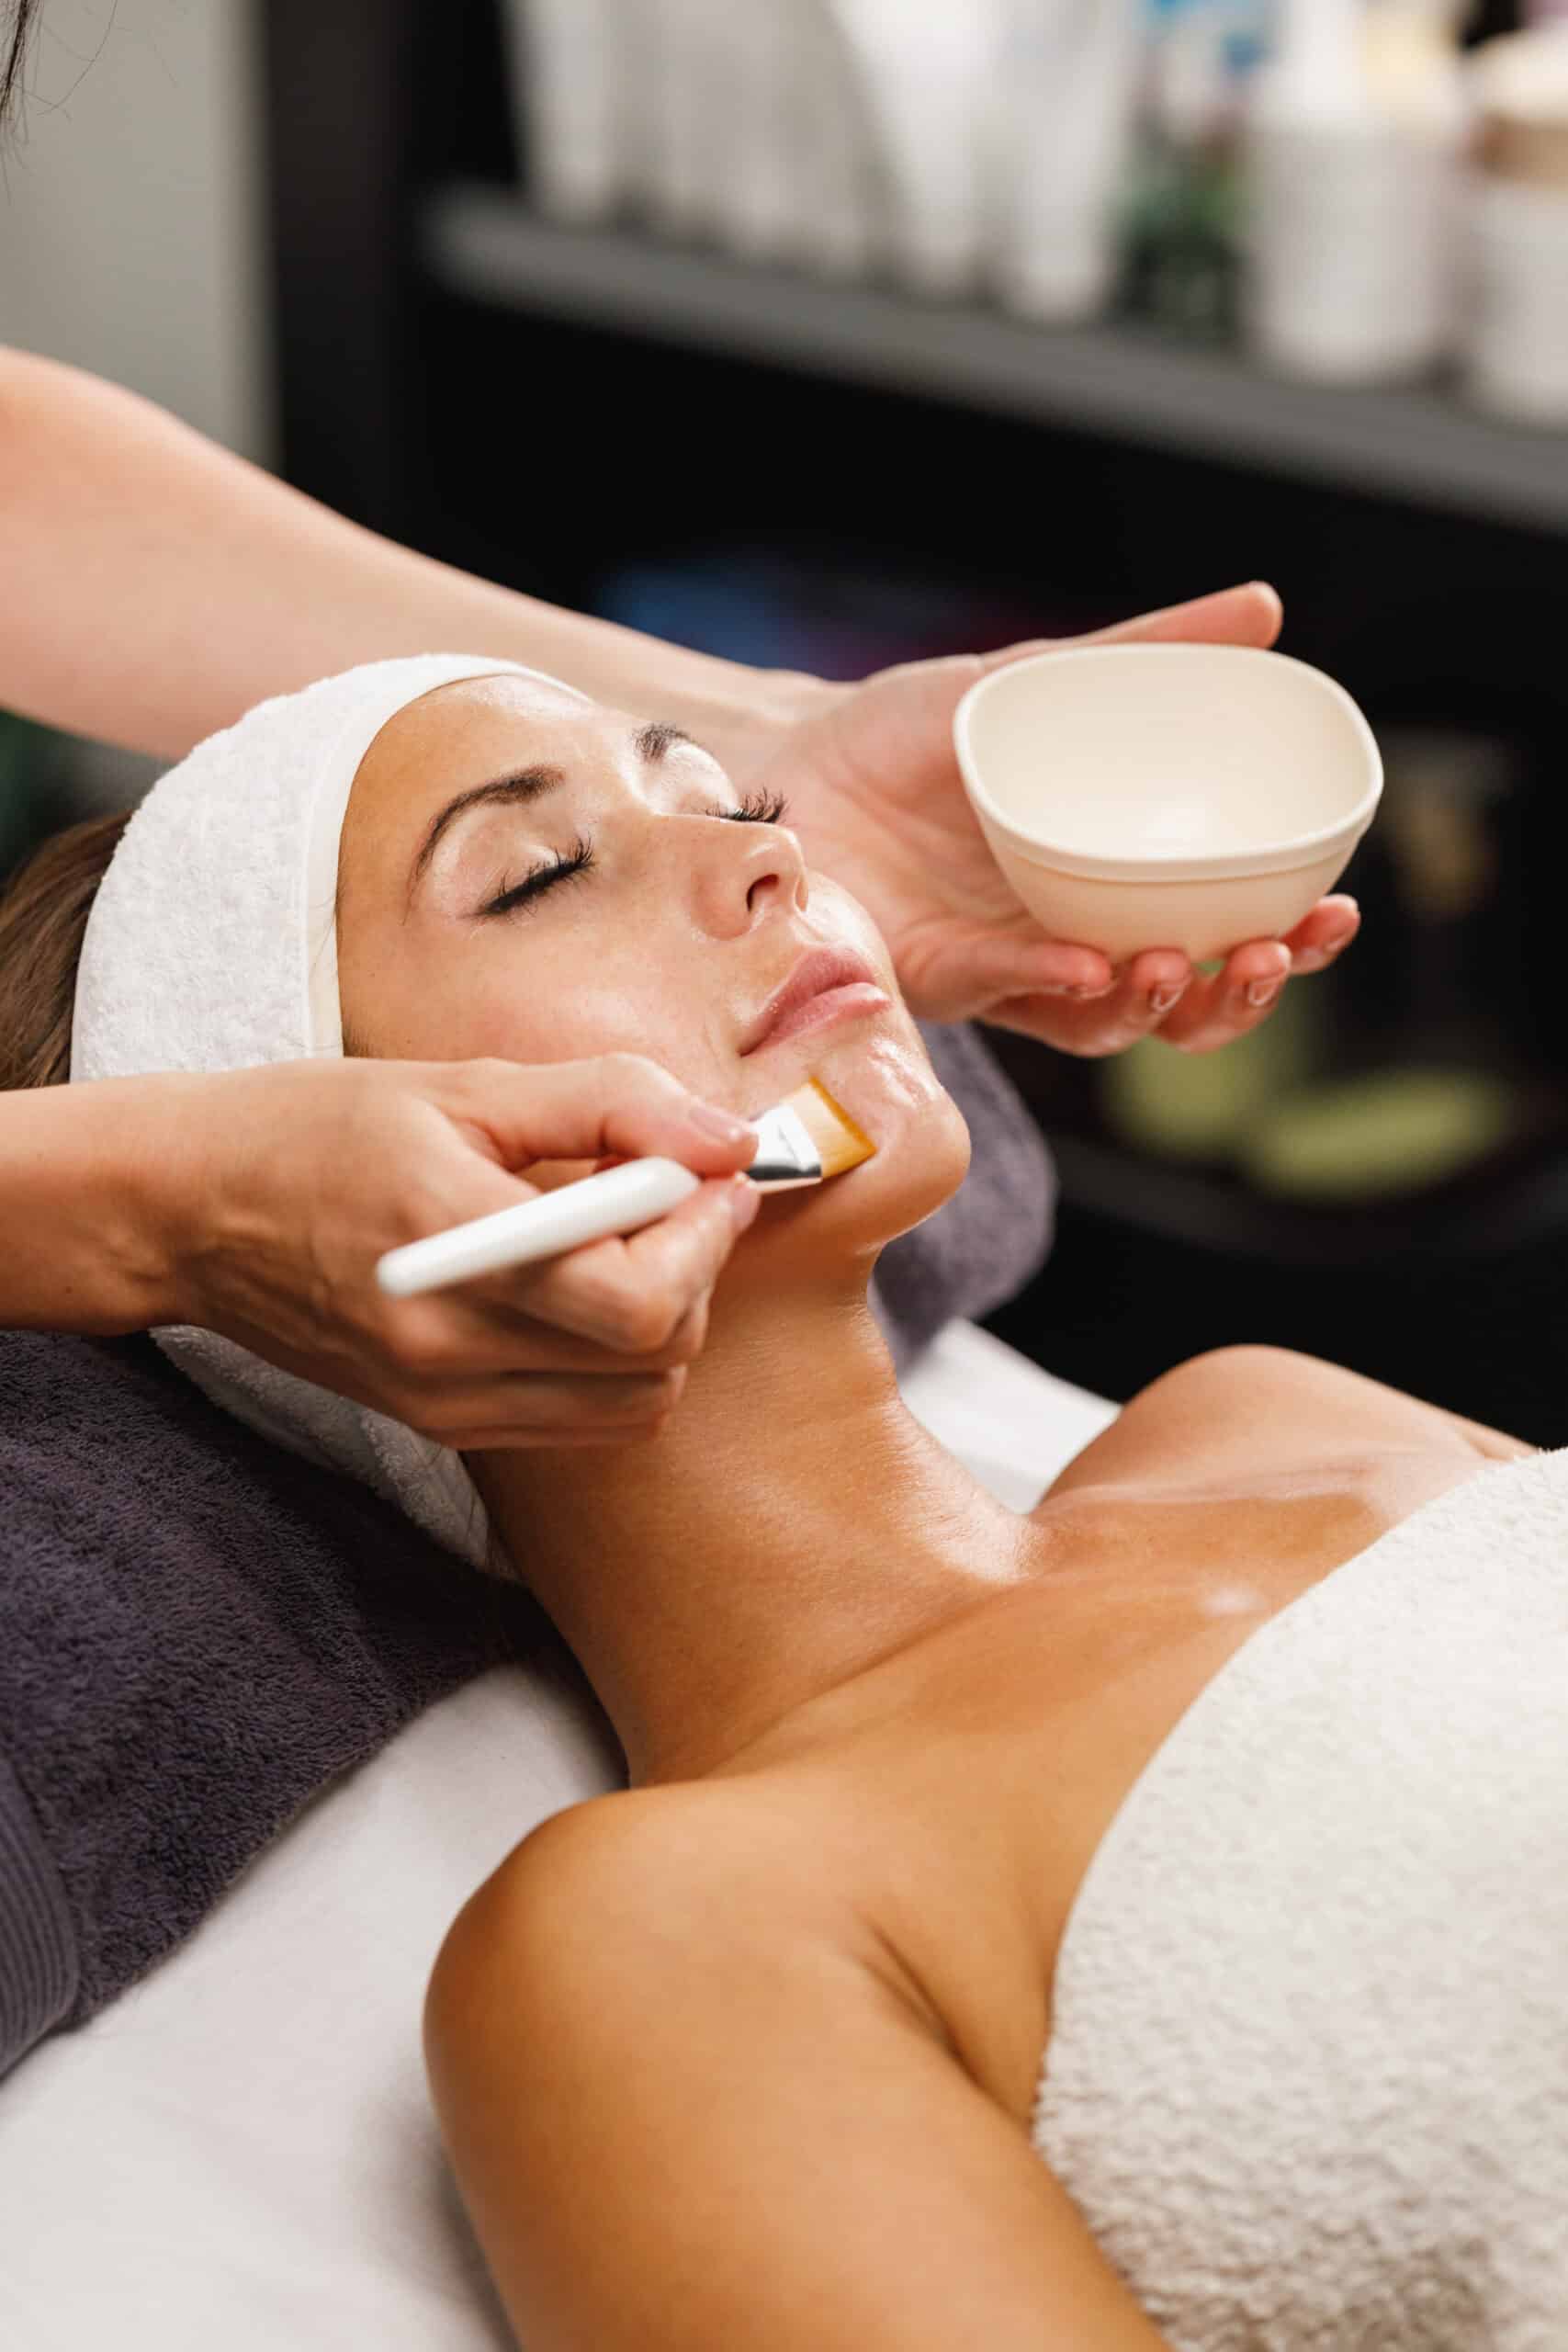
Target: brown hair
{"points": [[12, 56], [43, 918]]}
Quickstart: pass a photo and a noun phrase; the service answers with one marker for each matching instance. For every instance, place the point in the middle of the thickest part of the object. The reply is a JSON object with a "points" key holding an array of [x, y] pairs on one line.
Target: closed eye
{"points": [[560, 868], [756, 808]]}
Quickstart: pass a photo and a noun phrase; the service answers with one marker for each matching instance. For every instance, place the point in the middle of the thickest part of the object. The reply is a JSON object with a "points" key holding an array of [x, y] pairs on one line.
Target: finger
{"points": [[532, 1409], [1144, 995], [1108, 1021], [558, 1441], [960, 973], [1249, 615], [635, 1295], [615, 1107], [1324, 935], [1215, 1012], [468, 1339]]}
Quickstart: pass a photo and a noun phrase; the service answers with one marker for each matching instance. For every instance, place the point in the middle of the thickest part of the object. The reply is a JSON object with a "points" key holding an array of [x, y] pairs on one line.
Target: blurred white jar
{"points": [[789, 140], [1353, 160], [843, 225], [1516, 347], [570, 96], [678, 84], [756, 130], [927, 72], [1060, 131]]}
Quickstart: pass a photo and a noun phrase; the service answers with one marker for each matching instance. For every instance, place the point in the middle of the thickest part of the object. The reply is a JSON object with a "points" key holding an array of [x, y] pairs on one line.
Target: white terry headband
{"points": [[212, 945]]}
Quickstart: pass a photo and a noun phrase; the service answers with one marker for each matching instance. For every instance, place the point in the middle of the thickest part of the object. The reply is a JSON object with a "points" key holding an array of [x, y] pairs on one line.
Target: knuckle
{"points": [[664, 1390], [652, 1320], [686, 1340], [645, 1432], [634, 1074], [629, 1312], [421, 1350], [490, 1073]]}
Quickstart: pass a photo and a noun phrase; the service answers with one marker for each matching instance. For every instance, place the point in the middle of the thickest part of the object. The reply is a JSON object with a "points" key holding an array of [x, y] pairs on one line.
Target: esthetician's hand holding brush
{"points": [[275, 1190], [586, 1348], [874, 795]]}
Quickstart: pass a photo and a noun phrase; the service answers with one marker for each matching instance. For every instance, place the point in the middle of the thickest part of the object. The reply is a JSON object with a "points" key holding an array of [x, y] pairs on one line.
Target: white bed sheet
{"points": [[241, 2152]]}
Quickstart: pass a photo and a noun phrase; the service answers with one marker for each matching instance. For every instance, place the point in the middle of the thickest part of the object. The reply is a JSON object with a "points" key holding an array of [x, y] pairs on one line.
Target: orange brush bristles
{"points": [[840, 1145]]}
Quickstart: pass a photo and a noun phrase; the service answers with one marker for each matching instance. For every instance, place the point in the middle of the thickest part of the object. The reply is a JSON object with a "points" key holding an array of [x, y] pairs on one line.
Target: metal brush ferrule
{"points": [[786, 1155]]}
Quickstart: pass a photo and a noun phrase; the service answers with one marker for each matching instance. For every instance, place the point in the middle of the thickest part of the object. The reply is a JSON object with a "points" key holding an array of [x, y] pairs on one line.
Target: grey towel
{"points": [[994, 1234], [198, 1632]]}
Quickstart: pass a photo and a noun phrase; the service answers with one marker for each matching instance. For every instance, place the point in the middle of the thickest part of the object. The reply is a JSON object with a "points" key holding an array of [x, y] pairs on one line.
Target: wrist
{"points": [[742, 719], [159, 1196], [94, 1223]]}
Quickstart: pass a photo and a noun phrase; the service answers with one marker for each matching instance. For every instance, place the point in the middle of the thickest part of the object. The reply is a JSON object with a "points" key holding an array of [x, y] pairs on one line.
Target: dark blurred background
{"points": [[834, 473]]}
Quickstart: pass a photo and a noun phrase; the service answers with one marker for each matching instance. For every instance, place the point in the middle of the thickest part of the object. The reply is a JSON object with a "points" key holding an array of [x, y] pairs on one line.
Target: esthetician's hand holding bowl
{"points": [[876, 797]]}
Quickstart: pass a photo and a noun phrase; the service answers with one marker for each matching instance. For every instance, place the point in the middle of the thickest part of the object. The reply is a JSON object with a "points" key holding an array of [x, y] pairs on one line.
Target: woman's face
{"points": [[527, 875]]}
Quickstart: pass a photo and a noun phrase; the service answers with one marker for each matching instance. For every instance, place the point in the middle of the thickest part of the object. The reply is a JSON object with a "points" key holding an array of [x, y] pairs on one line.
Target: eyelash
{"points": [[756, 809]]}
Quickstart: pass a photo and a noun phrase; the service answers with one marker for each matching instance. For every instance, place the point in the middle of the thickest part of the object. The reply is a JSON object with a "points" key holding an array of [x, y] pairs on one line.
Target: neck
{"points": [[793, 1527]]}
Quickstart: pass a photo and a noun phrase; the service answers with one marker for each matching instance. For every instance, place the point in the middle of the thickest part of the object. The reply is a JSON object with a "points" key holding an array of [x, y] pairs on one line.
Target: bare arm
{"points": [[684, 2111], [152, 587]]}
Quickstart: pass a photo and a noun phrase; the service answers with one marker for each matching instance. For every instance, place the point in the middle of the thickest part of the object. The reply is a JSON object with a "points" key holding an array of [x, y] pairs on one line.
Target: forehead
{"points": [[459, 734]]}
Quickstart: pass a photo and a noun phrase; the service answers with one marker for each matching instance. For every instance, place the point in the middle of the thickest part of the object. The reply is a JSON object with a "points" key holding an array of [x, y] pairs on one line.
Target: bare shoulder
{"points": [[625, 1884], [1235, 1407], [681, 2106]]}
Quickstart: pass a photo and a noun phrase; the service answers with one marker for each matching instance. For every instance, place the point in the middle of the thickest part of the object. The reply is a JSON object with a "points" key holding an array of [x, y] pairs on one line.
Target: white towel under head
{"points": [[212, 945]]}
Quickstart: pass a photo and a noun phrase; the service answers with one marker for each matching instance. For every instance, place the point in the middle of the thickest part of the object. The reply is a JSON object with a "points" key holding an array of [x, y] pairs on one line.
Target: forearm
{"points": [[152, 586], [91, 1229]]}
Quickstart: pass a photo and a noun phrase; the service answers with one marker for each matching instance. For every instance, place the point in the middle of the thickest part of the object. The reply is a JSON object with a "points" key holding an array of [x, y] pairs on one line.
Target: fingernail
{"points": [[719, 1126], [1313, 959], [1083, 995], [745, 1200], [1162, 999], [1262, 992]]}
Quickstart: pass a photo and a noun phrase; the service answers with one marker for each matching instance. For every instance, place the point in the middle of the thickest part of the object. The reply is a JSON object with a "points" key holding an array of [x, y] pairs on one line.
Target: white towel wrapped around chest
{"points": [[1308, 2074], [212, 945]]}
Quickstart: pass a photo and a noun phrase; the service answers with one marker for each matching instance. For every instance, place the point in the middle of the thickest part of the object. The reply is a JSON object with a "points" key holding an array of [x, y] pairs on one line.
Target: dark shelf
{"points": [[1420, 446]]}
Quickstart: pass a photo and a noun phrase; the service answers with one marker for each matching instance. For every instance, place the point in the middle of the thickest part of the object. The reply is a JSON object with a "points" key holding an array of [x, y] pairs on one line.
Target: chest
{"points": [[997, 1778]]}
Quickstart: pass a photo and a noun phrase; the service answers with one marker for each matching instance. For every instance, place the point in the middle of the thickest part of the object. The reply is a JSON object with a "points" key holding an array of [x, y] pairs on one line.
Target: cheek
{"points": [[542, 1000], [551, 1009]]}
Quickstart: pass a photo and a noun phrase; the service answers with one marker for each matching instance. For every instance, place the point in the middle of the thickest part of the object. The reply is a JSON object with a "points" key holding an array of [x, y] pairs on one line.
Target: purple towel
{"points": [[198, 1632]]}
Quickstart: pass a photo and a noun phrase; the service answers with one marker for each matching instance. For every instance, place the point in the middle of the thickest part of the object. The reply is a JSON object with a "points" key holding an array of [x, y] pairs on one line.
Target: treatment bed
{"points": [[240, 2151]]}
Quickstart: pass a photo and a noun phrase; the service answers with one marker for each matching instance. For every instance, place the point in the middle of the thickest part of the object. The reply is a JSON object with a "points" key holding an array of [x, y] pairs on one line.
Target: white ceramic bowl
{"points": [[1168, 796]]}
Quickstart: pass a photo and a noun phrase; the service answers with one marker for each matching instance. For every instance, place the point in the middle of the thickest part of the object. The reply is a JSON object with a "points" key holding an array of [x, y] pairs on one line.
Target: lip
{"points": [[821, 973]]}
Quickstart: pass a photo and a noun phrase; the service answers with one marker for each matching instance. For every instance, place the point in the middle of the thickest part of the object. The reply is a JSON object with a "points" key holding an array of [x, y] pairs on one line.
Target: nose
{"points": [[741, 874]]}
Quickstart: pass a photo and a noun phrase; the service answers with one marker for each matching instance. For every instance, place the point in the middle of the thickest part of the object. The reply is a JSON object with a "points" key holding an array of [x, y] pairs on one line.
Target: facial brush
{"points": [[802, 1140]]}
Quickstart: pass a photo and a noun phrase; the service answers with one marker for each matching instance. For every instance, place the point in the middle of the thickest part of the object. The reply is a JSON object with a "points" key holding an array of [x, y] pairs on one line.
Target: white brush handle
{"points": [[618, 1200]]}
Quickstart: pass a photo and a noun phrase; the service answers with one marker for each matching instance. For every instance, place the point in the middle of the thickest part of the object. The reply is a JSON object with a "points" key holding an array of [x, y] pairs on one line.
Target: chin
{"points": [[886, 1084]]}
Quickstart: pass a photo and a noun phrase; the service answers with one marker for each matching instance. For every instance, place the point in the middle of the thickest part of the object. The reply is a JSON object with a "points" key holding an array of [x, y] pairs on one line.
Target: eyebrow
{"points": [[513, 791], [650, 743]]}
